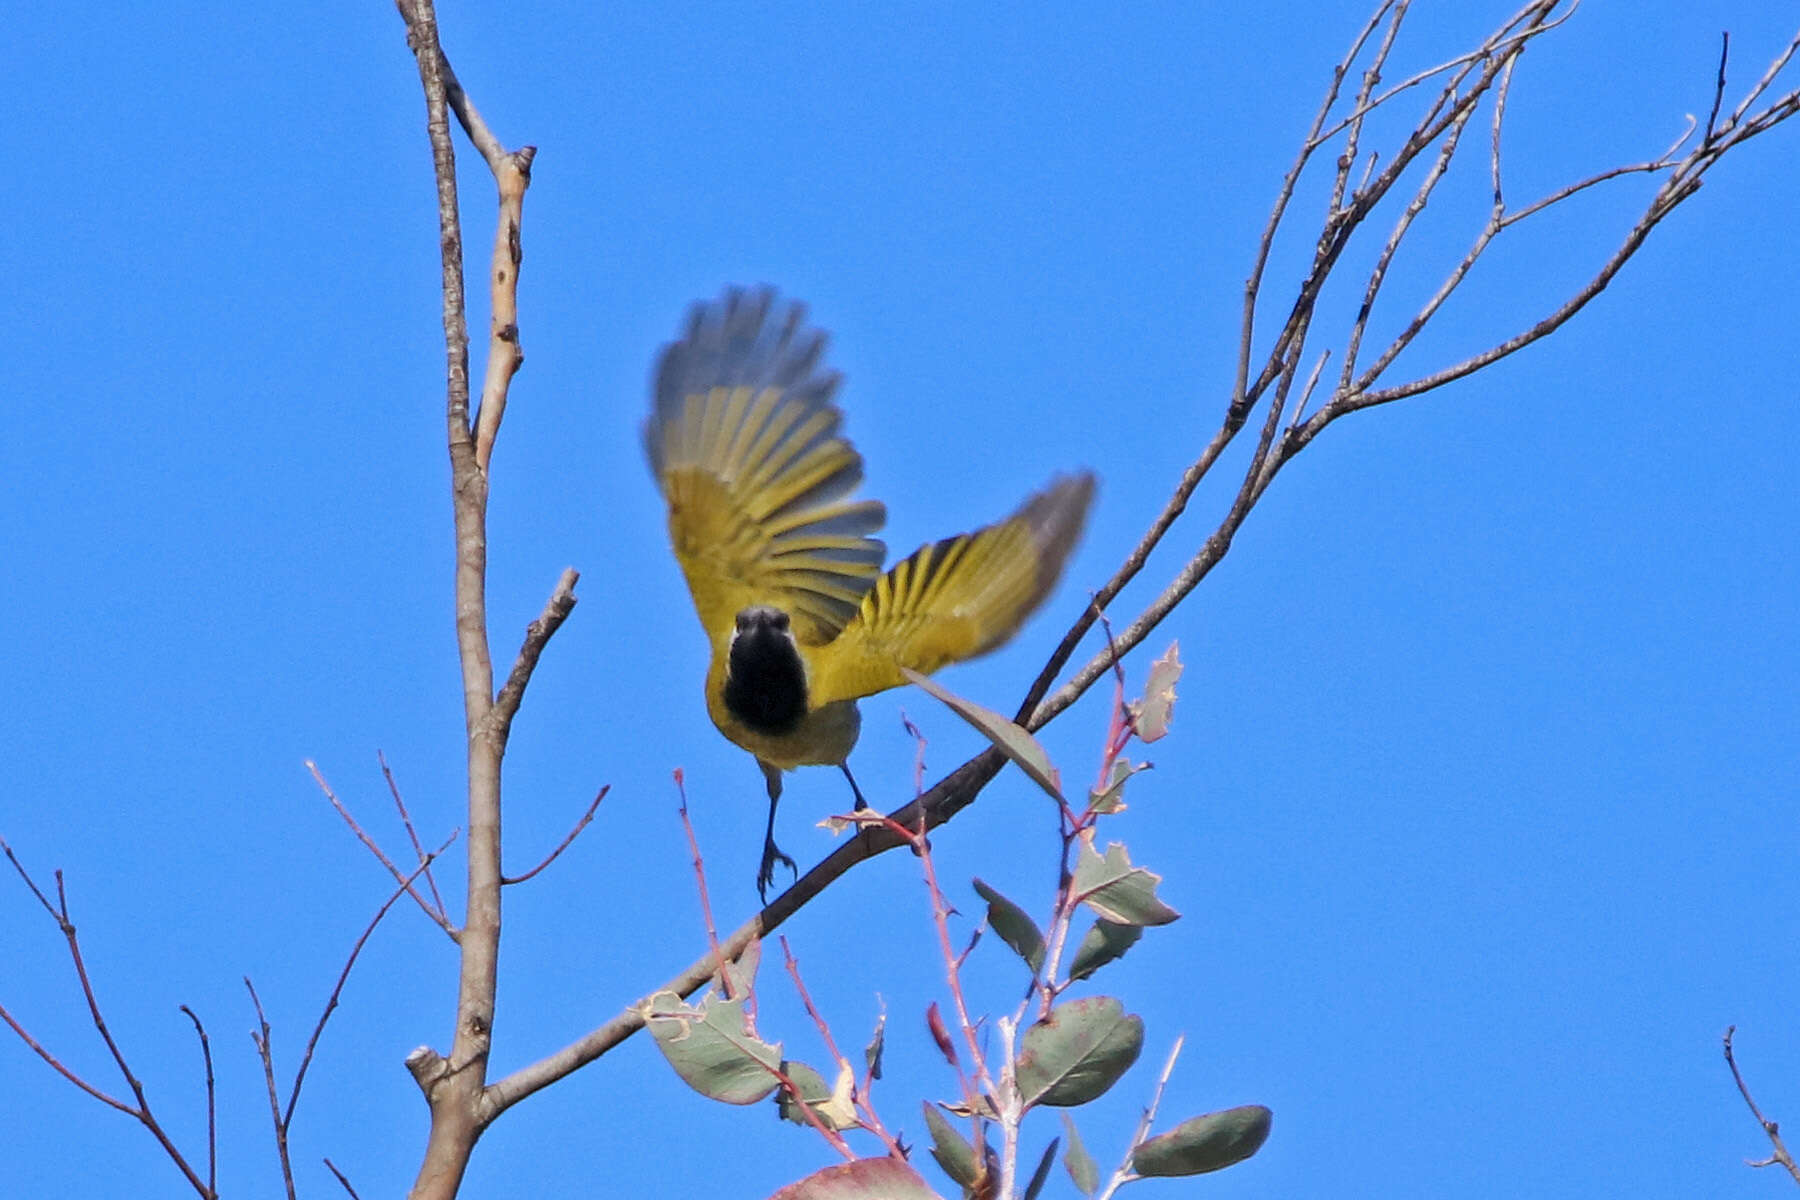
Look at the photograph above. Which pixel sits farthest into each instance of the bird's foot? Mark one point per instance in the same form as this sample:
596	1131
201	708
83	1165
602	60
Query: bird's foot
765	874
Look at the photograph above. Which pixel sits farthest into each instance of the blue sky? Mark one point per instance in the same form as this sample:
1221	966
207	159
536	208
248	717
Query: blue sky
1480	797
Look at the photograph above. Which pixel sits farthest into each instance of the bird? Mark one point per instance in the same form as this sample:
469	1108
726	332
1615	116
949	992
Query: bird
745	441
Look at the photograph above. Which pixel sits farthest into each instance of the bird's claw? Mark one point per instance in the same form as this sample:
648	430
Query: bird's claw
765	874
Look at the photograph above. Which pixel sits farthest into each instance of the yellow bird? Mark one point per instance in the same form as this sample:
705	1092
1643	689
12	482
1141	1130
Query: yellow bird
744	440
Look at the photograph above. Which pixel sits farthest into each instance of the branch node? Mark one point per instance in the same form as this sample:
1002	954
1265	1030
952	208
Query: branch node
427	1067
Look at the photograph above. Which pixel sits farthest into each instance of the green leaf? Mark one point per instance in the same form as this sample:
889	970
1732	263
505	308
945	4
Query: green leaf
1112	798
1078	1051
1042	1173
710	1048
1015	928
1106	941
953	1152
1083	1171
864	1179
1203	1144
1150	716
1118	891
1010	739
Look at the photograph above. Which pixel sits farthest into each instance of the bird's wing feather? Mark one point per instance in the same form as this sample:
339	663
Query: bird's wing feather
743	439
956	598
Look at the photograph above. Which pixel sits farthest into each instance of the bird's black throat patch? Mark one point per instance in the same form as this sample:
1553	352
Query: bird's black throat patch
765	681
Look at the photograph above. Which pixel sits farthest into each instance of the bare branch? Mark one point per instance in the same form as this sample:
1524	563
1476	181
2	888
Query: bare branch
57	1065
1776	66
1312	381
1770	1129
1501	40
59	913
1479	73
1378	274
260	1037
1124	1174
59	918
212	1118
436	914
453	1122
1353	124
1278	211
480	136
513	175
1712	117
412	832
1457	98
706	914
537	636
454	1087
867	1115
332	1167
564	844
337	990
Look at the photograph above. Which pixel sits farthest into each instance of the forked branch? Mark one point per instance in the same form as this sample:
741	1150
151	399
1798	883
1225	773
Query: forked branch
1770	1129
139	1110
454	1085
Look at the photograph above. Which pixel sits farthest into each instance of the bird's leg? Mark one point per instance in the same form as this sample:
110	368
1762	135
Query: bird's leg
854	790
771	854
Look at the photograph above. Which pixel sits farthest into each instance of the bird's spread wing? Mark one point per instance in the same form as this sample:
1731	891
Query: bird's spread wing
743	439
956	598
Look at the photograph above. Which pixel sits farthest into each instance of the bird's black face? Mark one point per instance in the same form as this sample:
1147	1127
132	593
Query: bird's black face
765	681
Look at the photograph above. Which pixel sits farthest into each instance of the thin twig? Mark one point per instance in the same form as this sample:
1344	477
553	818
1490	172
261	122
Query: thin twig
498	723
412	834
1124	1174
332	1167
59	913
30	883
57	1065
940	920
869	1119
1712	117
438	916
1312	381
337	989
1770	1129
1421	196
212	1120
706	913
1360	109
261	1038
508	880
918	738
1498	42
142	1113
1776	67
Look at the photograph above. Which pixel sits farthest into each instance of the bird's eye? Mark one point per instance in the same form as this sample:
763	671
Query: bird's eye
781	620
743	622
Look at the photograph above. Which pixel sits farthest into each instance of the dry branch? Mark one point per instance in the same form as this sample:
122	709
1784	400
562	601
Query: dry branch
454	1086
568	840
435	911
140	1111
1770	1129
